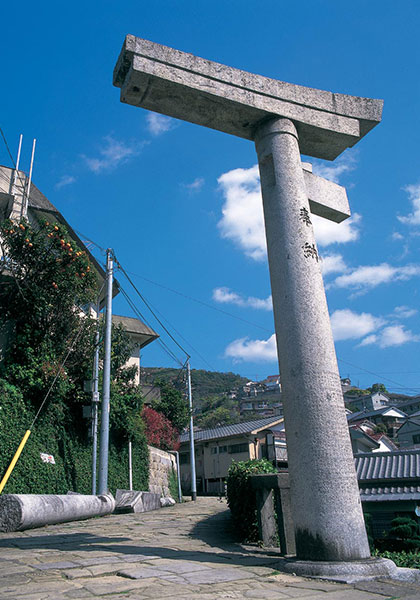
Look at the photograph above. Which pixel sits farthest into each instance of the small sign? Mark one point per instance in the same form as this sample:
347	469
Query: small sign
47	458
417	511
95	397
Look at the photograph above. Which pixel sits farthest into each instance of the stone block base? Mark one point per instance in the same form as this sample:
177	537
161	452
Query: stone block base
136	502
347	572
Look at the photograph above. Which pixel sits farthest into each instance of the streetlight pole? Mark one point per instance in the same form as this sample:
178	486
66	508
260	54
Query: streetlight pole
192	452
95	402
104	438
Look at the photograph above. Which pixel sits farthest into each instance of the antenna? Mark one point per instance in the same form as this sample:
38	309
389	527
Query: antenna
28	191
15	172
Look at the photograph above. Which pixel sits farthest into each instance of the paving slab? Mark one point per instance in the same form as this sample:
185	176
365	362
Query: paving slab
186	552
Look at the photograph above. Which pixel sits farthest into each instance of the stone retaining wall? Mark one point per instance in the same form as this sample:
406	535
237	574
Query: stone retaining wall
161	465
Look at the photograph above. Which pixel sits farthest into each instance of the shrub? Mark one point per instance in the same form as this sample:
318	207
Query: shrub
159	430
241	496
73	457
410	560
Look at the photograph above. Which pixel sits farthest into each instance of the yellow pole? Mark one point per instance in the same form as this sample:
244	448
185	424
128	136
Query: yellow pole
14	460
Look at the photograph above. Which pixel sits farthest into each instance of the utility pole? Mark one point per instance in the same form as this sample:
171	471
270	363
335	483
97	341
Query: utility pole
104	439
95	402
192	452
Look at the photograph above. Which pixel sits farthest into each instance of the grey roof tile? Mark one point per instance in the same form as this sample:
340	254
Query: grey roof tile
229	430
397	465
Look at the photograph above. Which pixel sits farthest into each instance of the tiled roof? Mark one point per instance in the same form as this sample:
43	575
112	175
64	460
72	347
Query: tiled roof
381	466
379	494
365	414
229	430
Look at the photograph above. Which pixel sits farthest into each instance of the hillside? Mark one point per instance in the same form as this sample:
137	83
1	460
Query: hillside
204	383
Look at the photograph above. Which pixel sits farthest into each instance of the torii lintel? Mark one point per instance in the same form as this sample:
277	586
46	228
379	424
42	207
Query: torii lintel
207	93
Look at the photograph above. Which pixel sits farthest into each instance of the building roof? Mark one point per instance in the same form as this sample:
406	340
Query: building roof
230	430
366	414
139	331
409	402
379	494
388	476
388	466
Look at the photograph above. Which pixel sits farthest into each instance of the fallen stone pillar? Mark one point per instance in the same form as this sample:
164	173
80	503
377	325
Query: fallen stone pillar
28	511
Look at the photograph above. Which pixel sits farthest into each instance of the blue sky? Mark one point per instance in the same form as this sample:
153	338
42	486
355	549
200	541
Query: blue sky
180	204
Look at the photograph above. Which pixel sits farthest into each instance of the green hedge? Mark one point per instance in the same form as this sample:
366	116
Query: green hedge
410	560
73	456
241	496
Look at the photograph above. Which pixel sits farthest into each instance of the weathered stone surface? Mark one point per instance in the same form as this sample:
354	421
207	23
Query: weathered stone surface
26	511
161	465
191	88
325	498
326	198
136	502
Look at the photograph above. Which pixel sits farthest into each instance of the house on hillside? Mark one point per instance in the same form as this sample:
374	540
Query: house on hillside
410	406
272	383
364	439
37	208
409	432
368	402
391	417
216	449
389	484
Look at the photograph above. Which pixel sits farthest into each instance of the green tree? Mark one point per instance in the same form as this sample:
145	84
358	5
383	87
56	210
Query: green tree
172	405
44	279
215	418
378	387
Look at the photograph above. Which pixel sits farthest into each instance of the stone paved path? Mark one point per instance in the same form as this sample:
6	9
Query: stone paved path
181	552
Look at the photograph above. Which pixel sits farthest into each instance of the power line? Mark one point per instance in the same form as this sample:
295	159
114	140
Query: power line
215	308
376	375
58	373
163	345
150	308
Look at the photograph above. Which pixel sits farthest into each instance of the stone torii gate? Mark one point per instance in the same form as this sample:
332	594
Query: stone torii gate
284	120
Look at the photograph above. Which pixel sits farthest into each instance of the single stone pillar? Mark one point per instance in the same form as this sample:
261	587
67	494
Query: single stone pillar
326	505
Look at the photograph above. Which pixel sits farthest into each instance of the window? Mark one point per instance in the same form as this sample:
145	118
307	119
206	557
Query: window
237	448
213	450
184	458
222	449
416	439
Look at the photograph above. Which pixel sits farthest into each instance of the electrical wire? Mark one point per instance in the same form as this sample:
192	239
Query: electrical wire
57	374
376	375
149	307
163	345
400	386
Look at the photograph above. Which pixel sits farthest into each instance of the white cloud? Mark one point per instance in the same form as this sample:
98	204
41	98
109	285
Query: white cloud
245	349
396	236
195	185
404	312
158	124
112	154
394	335
366	277
243	222
225	296
333	171
332	263
328	232
64	180
414	197
348	325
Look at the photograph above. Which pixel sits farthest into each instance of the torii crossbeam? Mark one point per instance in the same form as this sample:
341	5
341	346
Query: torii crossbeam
284	120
